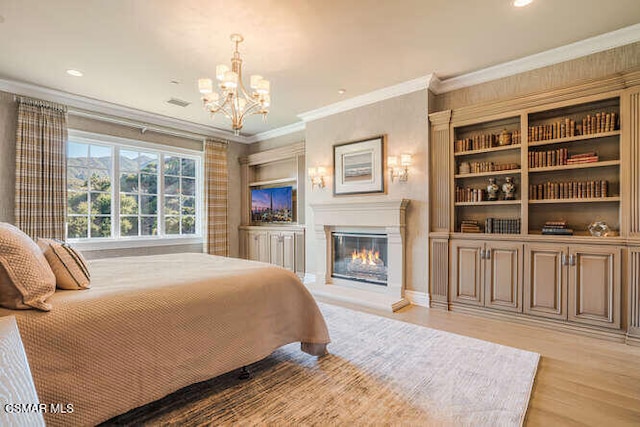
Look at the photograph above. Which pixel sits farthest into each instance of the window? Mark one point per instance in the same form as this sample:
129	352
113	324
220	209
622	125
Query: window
118	191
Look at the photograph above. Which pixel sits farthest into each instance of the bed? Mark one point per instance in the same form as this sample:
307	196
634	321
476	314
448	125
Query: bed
151	325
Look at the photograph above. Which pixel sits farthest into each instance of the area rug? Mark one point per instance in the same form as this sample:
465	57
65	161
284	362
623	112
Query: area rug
379	371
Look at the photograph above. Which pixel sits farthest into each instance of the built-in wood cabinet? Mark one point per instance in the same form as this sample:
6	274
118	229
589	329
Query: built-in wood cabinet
574	156
503	275
545	285
257	246
275	245
487	274
466	273
594	285
280	244
579	283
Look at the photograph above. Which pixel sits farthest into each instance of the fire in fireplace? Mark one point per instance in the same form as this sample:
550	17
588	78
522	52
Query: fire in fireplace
361	257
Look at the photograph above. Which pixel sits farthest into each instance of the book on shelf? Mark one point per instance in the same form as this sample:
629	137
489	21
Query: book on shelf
557	231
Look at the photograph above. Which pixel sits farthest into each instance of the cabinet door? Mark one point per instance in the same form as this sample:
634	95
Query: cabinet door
288	250
466	274
276	255
299	255
545	283
503	276
594	285
258	246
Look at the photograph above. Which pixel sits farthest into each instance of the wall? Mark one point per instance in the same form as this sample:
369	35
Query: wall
8	124
8	119
403	120
234	204
277	142
589	67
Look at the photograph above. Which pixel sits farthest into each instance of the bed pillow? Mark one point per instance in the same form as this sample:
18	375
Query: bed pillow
68	265
26	280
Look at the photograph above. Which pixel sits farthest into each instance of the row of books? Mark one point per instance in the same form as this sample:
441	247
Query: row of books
567	127
599	123
470	194
502	225
569	190
479	167
559	157
482	141
492	226
560	129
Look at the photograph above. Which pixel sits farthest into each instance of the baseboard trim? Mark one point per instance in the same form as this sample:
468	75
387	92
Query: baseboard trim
523	319
417	298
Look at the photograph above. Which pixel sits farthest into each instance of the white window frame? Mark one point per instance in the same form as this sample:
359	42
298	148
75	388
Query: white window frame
122	242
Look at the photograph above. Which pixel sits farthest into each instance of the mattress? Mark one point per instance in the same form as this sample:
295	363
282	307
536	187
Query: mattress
154	324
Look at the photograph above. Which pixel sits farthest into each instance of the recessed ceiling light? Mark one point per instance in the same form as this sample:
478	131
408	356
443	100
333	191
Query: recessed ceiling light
521	3
341	91
74	73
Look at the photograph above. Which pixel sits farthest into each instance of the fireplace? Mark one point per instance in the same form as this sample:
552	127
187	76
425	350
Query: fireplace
361	257
358	252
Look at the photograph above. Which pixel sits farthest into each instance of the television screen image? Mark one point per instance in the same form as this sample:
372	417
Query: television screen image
272	204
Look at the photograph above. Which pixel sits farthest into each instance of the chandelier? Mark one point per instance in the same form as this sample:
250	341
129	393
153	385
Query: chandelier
232	99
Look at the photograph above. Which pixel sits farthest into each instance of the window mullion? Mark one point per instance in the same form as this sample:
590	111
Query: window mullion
161	230
115	188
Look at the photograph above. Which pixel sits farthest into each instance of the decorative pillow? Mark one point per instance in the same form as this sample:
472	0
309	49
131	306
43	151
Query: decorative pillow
68	265
26	280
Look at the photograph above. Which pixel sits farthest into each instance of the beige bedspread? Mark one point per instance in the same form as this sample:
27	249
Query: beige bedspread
151	325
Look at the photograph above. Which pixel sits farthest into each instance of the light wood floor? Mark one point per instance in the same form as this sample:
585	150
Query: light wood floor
580	380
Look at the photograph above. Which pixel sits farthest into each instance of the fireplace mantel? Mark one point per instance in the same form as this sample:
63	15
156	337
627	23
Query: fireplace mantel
384	216
383	213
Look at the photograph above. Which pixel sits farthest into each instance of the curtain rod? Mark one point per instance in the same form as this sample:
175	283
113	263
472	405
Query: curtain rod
142	126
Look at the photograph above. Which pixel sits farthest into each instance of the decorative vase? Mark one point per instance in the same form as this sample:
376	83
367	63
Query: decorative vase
492	190
509	189
599	229
504	138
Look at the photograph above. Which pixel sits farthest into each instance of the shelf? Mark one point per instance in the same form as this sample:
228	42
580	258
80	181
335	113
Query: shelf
576	166
271	182
488	150
582	200
472	175
489	203
574	138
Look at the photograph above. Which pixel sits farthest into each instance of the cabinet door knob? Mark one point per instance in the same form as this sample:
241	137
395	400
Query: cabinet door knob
487	254
572	260
481	253
563	259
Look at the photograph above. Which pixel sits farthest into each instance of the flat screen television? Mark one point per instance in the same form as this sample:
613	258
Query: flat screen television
269	205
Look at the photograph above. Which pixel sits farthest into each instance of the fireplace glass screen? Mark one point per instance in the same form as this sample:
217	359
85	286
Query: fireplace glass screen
361	257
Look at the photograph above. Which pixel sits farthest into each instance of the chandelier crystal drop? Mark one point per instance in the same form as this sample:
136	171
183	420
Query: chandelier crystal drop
231	98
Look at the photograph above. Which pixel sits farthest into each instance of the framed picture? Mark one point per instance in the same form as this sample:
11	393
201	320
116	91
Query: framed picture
358	167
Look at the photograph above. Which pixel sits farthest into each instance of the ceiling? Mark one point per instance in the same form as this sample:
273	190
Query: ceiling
131	50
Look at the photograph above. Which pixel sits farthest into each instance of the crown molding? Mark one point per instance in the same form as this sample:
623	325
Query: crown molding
600	43
273	133
410	86
103	107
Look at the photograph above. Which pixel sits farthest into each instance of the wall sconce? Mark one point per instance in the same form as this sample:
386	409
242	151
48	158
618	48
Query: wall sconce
400	173
316	175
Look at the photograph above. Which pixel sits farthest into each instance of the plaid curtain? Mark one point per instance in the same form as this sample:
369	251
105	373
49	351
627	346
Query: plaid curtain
41	179
217	181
